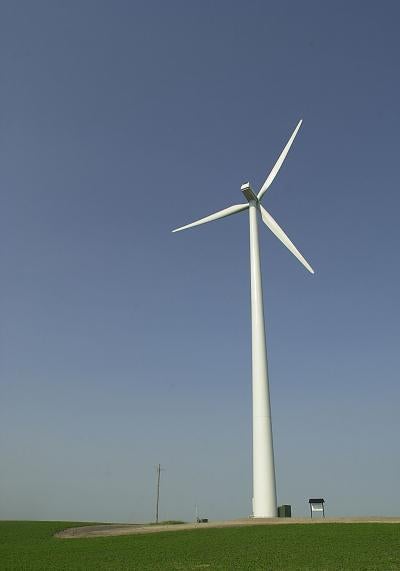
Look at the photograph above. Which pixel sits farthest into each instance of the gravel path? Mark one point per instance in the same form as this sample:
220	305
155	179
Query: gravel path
114	529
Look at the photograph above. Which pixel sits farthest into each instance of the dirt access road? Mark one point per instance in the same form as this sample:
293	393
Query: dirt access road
114	529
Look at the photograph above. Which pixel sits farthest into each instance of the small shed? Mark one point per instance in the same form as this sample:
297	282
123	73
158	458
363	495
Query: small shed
317	505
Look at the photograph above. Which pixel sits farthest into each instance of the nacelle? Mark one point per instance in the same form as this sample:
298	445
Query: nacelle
249	194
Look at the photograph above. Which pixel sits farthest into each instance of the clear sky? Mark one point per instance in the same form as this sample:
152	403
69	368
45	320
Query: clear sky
123	345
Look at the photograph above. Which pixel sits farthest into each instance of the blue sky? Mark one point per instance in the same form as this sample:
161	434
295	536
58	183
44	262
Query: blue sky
123	345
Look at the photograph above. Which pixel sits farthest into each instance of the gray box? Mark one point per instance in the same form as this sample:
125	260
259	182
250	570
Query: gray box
285	511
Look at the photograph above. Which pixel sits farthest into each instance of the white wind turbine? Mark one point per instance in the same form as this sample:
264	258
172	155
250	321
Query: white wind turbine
264	486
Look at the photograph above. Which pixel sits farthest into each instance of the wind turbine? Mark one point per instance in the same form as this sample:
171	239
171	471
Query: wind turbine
264	485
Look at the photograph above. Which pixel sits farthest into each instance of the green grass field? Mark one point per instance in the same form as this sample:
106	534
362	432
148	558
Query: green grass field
31	545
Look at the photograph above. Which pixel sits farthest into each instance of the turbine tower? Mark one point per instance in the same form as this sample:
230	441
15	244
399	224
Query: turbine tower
264	485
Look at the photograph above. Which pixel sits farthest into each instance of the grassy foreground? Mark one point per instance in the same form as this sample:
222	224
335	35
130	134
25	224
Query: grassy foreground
367	546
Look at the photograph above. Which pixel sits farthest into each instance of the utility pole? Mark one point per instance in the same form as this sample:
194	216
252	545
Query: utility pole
158	489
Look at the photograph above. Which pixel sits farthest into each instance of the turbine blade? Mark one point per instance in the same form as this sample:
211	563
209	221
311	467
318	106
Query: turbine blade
278	163
279	233
220	214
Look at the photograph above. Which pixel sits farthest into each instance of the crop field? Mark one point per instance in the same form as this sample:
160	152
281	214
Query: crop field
365	546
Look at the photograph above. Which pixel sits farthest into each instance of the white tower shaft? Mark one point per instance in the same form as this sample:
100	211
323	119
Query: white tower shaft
264	487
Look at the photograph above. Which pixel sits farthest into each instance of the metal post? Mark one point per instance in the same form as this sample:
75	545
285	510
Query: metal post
158	489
